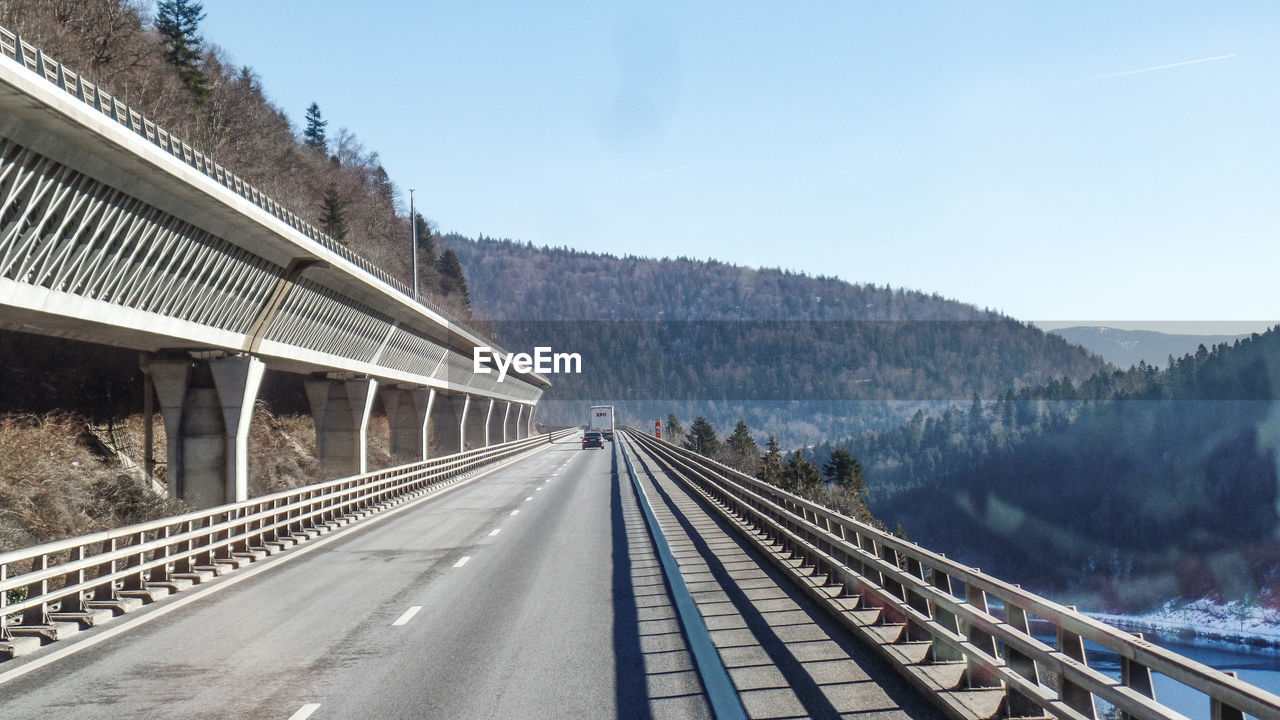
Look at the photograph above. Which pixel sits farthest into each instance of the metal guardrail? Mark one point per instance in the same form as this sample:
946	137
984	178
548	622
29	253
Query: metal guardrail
72	574
921	611
34	59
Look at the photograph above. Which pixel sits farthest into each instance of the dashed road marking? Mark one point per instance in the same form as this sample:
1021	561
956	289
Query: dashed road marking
462	561
495	532
515	512
305	711
528	498
406	616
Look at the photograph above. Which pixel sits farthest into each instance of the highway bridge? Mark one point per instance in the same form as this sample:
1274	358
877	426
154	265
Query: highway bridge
514	575
537	579
114	231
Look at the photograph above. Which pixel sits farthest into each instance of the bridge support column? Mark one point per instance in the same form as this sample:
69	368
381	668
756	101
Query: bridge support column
508	423
493	426
533	410
207	404
522	429
340	407
476	425
408	410
448	422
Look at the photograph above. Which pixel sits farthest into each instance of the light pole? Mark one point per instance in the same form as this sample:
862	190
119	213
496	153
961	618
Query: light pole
413	234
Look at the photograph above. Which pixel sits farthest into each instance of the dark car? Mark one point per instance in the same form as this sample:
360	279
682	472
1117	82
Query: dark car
592	439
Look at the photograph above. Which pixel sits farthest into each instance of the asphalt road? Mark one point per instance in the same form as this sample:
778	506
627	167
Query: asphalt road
532	592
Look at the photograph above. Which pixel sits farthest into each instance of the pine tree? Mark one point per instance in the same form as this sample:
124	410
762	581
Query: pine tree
426	242
333	214
178	22
701	437
800	476
743	448
313	136
771	470
845	471
453	281
674	428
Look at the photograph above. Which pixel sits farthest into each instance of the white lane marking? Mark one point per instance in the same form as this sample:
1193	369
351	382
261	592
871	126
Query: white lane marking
220	584
462	561
515	512
305	711
495	532
528	498
406	616
537	489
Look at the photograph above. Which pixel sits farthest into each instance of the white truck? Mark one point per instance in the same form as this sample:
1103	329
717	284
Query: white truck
601	420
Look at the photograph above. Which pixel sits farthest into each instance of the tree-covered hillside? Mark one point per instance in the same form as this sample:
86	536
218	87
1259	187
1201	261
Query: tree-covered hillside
803	357
1133	487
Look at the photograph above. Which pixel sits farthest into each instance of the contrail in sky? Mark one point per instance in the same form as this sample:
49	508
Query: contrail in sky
1158	67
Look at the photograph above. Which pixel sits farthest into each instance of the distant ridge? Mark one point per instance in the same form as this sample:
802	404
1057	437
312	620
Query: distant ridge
1129	347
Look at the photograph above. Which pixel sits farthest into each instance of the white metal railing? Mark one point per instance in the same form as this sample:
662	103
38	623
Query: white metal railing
68	575
963	615
34	59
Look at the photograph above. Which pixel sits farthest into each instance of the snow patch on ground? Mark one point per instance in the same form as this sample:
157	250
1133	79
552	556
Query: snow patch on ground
1204	621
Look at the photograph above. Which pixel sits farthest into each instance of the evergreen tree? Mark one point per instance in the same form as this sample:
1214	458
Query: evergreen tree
674	428
313	136
701	437
333	214
452	279
741	441
771	470
426	242
800	476
178	22
845	471
743	449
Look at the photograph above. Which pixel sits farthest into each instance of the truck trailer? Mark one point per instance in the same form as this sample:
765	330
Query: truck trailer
601	420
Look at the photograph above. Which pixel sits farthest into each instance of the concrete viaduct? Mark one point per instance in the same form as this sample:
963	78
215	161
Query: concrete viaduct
114	231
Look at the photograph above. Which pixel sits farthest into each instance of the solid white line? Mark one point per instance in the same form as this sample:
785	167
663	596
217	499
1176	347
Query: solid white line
305	711
515	512
220	584
495	532
463	561
406	616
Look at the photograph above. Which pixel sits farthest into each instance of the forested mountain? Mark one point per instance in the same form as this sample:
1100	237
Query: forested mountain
803	357
1130	347
162	67
1130	488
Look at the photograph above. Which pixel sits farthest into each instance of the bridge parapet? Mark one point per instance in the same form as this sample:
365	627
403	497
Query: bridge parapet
967	640
58	586
114	231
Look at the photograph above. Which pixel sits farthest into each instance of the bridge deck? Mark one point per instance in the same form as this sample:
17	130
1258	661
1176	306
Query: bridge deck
562	612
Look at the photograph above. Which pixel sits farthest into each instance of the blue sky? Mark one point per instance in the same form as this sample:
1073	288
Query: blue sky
1004	154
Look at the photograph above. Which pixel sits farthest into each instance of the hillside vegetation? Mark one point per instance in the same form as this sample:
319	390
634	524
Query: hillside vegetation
804	357
1129	489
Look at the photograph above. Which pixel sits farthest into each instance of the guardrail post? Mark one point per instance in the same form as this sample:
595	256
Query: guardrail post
134	581
75	601
943	652
38	614
160	573
1137	676
1080	699
1219	710
1019	705
105	591
978	675
4	600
